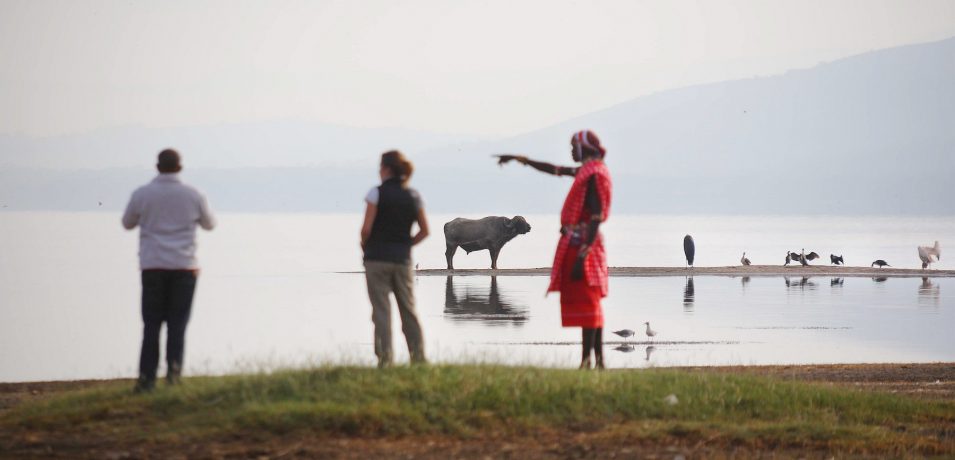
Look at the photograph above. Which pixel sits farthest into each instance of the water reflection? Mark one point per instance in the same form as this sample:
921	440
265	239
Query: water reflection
880	279
650	349
929	293
688	294
836	282
803	283
625	348
469	302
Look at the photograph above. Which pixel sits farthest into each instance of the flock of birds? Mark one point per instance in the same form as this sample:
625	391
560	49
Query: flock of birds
927	254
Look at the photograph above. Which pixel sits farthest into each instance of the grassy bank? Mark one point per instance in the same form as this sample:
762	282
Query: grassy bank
468	402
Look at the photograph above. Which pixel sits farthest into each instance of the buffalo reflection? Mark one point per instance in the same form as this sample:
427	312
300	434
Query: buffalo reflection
468	302
689	292
929	292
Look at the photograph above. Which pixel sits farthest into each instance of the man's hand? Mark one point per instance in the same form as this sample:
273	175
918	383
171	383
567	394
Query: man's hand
502	159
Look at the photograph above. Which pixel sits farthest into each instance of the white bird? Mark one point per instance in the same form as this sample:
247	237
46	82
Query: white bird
625	333
927	254
743	260
650	332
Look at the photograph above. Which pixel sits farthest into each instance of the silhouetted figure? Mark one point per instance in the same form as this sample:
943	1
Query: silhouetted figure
743	260
880	263
836	260
689	249
789	258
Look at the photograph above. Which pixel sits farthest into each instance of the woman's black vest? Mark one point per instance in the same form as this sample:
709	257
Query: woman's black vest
390	239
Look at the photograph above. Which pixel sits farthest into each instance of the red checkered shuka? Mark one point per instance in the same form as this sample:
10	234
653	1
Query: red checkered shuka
595	266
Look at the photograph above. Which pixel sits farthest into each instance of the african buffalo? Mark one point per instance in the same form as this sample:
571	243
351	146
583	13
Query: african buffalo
489	233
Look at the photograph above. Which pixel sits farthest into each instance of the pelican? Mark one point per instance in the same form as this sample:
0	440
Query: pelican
650	332
929	255
836	260
743	260
689	249
881	263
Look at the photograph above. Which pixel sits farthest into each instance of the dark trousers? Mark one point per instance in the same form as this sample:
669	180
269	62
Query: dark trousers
167	298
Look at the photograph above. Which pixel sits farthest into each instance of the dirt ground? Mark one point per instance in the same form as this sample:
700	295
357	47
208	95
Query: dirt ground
934	381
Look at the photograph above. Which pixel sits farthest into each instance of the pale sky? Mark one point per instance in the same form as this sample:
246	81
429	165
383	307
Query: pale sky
490	68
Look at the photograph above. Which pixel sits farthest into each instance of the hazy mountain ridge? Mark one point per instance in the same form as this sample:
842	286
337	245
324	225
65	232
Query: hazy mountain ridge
873	133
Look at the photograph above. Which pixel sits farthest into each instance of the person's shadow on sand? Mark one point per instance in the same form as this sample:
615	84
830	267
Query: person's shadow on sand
468	302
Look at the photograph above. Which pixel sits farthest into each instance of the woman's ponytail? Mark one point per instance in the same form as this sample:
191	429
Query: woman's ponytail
399	166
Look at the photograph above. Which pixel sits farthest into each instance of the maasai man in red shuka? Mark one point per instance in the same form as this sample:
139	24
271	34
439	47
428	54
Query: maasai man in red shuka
579	272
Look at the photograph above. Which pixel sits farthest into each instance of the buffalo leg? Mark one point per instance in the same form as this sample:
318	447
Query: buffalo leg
449	254
494	253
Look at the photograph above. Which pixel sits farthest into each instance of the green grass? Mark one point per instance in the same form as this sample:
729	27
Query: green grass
468	401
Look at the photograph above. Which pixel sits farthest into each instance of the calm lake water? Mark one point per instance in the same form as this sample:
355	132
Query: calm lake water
272	294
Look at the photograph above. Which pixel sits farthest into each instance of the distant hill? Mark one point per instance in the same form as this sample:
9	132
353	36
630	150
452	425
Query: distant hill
873	133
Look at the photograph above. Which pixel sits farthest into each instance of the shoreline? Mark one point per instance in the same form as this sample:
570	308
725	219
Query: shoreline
728	271
828	372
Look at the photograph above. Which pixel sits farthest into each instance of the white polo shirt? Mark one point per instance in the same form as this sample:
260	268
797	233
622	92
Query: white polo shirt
167	212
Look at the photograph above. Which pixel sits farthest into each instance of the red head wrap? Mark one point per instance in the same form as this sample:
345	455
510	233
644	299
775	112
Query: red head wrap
588	140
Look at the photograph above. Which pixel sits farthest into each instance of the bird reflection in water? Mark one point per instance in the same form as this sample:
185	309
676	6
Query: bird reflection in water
929	292
744	281
880	279
469	302
650	349
836	282
625	348
688	294
803	283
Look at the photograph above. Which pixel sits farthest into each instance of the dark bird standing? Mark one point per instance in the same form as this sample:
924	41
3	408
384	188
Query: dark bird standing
836	260
789	258
689	249
881	263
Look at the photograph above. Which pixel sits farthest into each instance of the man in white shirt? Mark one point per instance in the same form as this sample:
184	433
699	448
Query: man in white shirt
167	212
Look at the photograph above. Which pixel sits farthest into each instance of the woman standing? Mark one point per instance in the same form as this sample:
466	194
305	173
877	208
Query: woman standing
391	209
580	265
